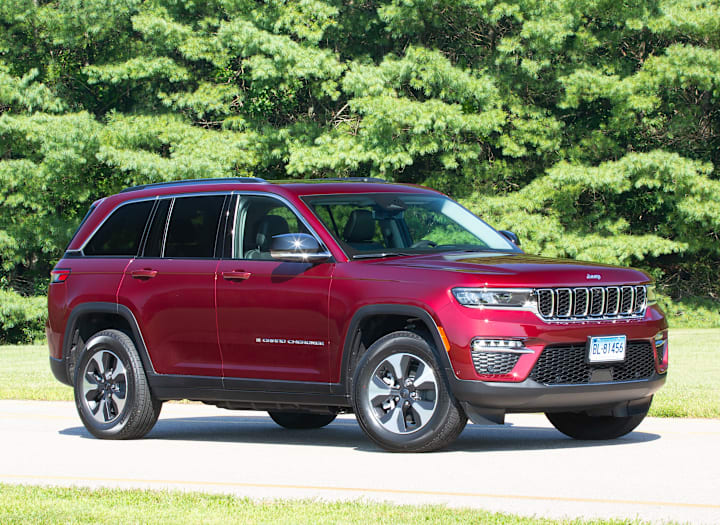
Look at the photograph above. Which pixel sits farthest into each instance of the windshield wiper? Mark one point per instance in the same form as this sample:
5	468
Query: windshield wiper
380	255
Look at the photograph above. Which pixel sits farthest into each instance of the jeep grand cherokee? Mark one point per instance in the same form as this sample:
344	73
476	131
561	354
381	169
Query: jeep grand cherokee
312	298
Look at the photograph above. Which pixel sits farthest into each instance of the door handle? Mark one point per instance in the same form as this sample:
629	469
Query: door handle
144	274
236	275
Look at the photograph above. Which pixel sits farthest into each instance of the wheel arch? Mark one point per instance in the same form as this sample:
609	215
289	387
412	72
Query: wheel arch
370	323
89	318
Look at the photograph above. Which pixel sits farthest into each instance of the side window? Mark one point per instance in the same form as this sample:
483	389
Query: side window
121	233
357	226
154	242
257	220
193	226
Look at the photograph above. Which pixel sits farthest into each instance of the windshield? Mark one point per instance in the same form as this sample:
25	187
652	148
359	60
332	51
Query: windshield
381	224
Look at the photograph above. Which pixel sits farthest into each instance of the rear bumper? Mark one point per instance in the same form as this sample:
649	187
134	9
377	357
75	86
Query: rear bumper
530	396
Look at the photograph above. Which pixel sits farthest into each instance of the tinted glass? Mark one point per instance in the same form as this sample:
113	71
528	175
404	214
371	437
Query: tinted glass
193	227
121	233
153	244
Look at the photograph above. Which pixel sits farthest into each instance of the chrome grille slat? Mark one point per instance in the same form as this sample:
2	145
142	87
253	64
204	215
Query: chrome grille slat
596	303
639	304
581	302
613	300
627	300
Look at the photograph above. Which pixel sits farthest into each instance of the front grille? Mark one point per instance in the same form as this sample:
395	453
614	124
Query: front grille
494	363
598	302
566	365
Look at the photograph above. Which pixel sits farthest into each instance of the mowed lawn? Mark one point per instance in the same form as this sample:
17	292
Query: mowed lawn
692	388
22	504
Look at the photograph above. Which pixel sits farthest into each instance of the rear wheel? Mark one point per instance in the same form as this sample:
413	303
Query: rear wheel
400	397
583	426
112	394
301	420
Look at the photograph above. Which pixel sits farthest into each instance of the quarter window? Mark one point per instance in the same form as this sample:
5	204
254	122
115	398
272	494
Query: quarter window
120	234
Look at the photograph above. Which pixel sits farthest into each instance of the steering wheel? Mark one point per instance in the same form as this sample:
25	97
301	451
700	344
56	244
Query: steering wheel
424	243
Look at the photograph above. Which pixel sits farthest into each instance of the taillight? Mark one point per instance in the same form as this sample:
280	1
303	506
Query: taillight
59	276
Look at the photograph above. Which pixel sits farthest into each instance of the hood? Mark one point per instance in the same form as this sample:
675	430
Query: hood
521	269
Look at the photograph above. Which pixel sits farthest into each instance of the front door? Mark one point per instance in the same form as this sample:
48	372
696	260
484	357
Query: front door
272	315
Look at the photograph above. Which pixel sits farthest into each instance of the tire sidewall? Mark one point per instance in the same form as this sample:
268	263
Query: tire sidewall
376	354
97	344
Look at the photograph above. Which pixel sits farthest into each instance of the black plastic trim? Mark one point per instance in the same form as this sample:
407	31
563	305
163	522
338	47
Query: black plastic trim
530	396
388	309
59	370
168	387
107	308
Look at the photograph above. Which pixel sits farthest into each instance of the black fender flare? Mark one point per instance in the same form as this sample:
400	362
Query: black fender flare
112	309
406	310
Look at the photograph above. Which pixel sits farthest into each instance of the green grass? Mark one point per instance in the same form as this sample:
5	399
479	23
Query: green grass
25	374
692	388
693	385
29	504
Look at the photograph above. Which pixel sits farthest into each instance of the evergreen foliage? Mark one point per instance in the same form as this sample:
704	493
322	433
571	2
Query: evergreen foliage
589	127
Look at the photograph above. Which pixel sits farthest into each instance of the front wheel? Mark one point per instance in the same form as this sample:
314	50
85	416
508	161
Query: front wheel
112	394
583	426
400	397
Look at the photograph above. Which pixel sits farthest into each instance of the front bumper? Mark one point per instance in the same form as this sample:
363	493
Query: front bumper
530	396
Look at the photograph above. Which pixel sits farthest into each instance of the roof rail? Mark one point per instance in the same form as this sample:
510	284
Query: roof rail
192	181
351	179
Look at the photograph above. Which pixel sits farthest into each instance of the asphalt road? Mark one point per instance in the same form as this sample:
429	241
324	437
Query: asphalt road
668	469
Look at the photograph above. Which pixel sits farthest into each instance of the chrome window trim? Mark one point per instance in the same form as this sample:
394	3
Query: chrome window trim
172	196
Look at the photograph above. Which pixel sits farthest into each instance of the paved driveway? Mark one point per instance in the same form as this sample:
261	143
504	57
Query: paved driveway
668	469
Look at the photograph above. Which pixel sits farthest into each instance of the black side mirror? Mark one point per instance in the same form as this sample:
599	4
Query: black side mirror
511	237
297	247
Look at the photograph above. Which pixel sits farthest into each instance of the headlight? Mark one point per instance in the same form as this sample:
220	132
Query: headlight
651	294
495	297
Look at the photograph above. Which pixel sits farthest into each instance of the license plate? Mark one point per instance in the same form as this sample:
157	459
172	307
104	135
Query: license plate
607	349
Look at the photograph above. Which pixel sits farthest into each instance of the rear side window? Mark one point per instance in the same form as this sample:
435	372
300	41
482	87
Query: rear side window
120	234
193	227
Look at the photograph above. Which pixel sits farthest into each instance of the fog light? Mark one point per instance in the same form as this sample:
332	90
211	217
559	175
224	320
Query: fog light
510	346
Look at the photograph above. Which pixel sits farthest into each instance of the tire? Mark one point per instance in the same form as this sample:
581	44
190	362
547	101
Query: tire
400	396
583	426
112	395
302	420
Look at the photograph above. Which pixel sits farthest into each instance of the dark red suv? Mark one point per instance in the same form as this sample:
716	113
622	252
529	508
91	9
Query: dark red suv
312	298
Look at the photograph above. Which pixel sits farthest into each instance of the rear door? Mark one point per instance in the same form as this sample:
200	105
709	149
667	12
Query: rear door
170	287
